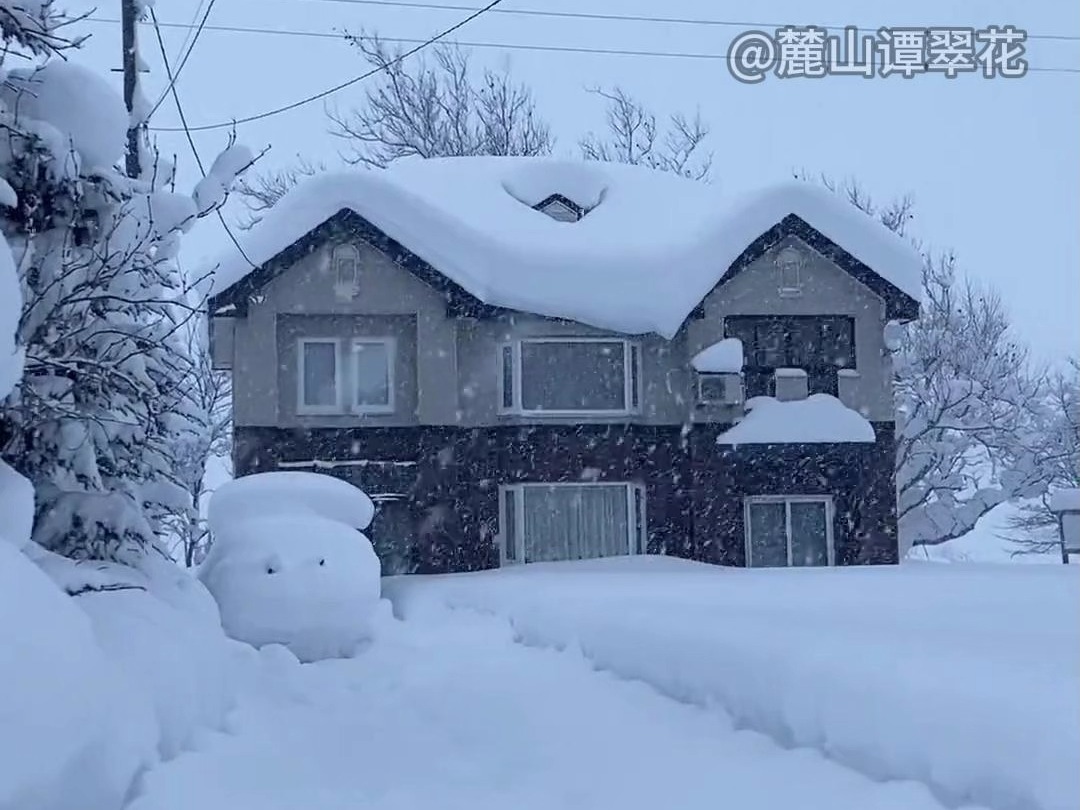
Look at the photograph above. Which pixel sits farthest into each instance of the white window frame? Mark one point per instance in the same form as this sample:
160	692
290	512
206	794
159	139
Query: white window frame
632	367
302	407
787	500
391	361
637	540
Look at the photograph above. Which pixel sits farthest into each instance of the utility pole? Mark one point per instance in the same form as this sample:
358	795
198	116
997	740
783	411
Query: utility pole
129	12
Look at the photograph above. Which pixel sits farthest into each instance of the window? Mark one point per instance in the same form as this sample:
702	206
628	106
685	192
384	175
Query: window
570	376
318	375
820	345
373	375
551	522
346	268
790	263
333	380
788	531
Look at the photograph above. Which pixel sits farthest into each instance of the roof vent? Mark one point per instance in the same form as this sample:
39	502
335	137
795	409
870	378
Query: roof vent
561	208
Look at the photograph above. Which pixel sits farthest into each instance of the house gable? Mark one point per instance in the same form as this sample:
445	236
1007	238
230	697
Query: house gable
348	226
898	305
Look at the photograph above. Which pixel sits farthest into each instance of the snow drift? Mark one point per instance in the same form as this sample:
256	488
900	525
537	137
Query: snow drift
951	676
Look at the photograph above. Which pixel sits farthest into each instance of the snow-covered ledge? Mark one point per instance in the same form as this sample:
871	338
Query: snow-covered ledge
791	384
818	419
723	357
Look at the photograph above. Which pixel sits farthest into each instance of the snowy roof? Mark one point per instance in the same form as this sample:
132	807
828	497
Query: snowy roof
1065	500
651	246
724	357
819	418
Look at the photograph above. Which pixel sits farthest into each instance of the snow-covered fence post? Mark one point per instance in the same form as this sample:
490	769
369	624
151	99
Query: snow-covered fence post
1065	504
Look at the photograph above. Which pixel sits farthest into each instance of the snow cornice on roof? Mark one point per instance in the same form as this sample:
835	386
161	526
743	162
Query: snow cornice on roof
652	246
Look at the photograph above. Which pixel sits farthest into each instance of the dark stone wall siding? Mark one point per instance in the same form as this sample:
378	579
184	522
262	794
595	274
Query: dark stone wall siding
694	487
860	477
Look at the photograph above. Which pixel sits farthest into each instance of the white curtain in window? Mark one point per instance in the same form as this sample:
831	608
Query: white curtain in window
575	522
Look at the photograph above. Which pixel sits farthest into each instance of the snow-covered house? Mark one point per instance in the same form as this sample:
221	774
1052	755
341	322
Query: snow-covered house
525	359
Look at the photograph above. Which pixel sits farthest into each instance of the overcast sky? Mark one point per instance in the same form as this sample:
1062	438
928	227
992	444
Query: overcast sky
993	164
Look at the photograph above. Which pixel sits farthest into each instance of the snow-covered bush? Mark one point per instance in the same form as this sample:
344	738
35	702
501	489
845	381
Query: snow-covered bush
289	564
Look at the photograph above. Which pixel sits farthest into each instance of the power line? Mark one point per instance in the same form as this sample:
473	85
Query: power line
331	90
183	119
590	15
187	54
510	46
187	36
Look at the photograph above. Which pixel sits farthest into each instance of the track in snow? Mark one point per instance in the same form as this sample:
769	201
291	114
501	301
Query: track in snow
450	713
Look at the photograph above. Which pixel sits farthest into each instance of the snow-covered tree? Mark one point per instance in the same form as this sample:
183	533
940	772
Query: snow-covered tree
210	396
969	403
102	405
1034	528
436	105
633	136
968	411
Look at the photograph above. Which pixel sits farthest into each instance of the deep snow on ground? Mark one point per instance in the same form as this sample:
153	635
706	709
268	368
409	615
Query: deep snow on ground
959	677
651	682
449	712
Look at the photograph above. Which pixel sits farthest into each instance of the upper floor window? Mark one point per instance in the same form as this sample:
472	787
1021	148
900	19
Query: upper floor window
373	378
327	370
553	376
820	345
319	375
345	263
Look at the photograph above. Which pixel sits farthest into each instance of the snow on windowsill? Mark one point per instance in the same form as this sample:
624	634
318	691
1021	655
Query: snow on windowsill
818	419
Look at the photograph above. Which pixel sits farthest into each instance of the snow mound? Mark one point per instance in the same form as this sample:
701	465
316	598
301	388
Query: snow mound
725	357
289	492
898	672
652	247
70	737
79	103
819	418
307	582
16	507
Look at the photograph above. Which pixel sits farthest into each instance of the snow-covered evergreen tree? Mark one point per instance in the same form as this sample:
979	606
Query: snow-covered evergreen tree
103	403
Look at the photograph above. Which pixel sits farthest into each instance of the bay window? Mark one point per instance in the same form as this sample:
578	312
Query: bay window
570	376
